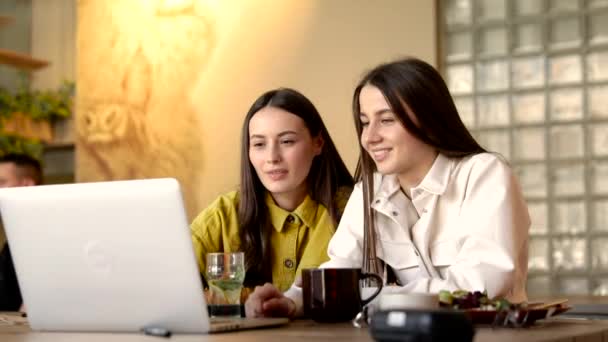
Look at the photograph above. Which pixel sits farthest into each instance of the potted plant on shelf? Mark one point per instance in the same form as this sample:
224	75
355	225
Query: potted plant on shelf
27	116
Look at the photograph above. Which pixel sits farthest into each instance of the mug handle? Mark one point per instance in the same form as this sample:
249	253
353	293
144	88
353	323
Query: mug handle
364	302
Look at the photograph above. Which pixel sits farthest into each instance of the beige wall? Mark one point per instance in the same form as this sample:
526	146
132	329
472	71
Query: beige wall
199	87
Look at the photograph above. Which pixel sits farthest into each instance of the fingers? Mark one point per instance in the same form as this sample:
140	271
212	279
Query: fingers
268	291
277	307
254	304
253	307
268	301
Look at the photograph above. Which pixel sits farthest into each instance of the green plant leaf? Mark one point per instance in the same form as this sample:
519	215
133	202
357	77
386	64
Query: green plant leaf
10	144
39	105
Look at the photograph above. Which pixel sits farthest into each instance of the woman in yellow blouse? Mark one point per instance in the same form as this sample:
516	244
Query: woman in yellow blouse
293	189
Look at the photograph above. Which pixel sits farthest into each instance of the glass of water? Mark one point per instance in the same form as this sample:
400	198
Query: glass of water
225	275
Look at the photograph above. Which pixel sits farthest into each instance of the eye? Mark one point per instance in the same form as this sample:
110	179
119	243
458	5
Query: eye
287	142
364	123
257	144
387	120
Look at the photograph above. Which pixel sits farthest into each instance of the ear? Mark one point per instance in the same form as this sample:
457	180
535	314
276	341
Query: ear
317	143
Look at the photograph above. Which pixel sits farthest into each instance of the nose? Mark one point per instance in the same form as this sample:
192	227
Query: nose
369	135
274	154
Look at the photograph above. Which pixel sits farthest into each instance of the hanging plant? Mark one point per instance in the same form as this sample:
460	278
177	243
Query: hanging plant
26	116
10	144
46	105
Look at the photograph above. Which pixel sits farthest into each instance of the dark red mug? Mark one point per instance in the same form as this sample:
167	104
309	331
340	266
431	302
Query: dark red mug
334	294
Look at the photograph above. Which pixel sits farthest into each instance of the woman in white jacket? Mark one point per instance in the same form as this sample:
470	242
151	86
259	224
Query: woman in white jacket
443	213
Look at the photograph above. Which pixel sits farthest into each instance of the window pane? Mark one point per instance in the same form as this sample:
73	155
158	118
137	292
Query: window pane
492	75
597	3
600	209
598	28
598	101
567	141
457	12
491	9
599	253
568	180
493	110
564	32
460	79
459	45
570	217
492	41
496	142
529	108
527	37
539	286
566	104
597	66
573	286
528	72
528	7
529	144
600	139
533	179
569	253
565	69
563	5
600	177
601	287
538	216
466	110
538	259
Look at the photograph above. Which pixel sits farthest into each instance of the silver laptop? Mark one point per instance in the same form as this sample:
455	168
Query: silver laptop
108	256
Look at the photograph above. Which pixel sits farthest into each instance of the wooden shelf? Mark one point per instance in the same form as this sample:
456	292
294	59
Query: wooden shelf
58	146
6	20
20	60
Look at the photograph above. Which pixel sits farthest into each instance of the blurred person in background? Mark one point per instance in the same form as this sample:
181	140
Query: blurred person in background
15	170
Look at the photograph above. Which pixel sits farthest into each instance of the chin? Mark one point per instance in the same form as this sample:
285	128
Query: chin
385	169
278	188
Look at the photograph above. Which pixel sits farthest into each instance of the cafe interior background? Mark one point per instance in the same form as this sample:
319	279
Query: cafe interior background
162	87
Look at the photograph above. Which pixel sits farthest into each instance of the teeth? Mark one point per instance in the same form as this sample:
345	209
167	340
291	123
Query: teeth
380	155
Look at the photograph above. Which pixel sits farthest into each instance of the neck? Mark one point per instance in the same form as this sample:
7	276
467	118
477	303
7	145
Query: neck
411	178
290	200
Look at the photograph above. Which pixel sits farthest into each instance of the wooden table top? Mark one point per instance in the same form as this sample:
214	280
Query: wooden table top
561	330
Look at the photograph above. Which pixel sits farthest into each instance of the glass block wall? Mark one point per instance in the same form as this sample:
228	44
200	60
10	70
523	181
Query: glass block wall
530	80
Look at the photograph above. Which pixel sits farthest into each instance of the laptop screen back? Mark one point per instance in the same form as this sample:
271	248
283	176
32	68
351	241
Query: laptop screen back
107	256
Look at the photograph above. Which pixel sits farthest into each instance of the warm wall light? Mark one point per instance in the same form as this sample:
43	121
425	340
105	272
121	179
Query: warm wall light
174	6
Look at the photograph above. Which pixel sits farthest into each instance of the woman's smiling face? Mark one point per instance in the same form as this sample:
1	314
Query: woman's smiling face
393	149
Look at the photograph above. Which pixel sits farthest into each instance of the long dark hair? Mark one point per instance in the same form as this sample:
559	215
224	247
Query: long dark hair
418	85
327	174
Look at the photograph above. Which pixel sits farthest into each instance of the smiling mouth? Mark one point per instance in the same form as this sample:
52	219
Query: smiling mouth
277	174
380	154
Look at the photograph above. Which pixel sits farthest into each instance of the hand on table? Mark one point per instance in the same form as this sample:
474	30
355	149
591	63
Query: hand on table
268	301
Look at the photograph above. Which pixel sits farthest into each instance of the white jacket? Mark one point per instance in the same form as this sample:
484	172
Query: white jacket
466	227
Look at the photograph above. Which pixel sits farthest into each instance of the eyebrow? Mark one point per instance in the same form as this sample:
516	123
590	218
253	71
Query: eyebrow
379	112
259	136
